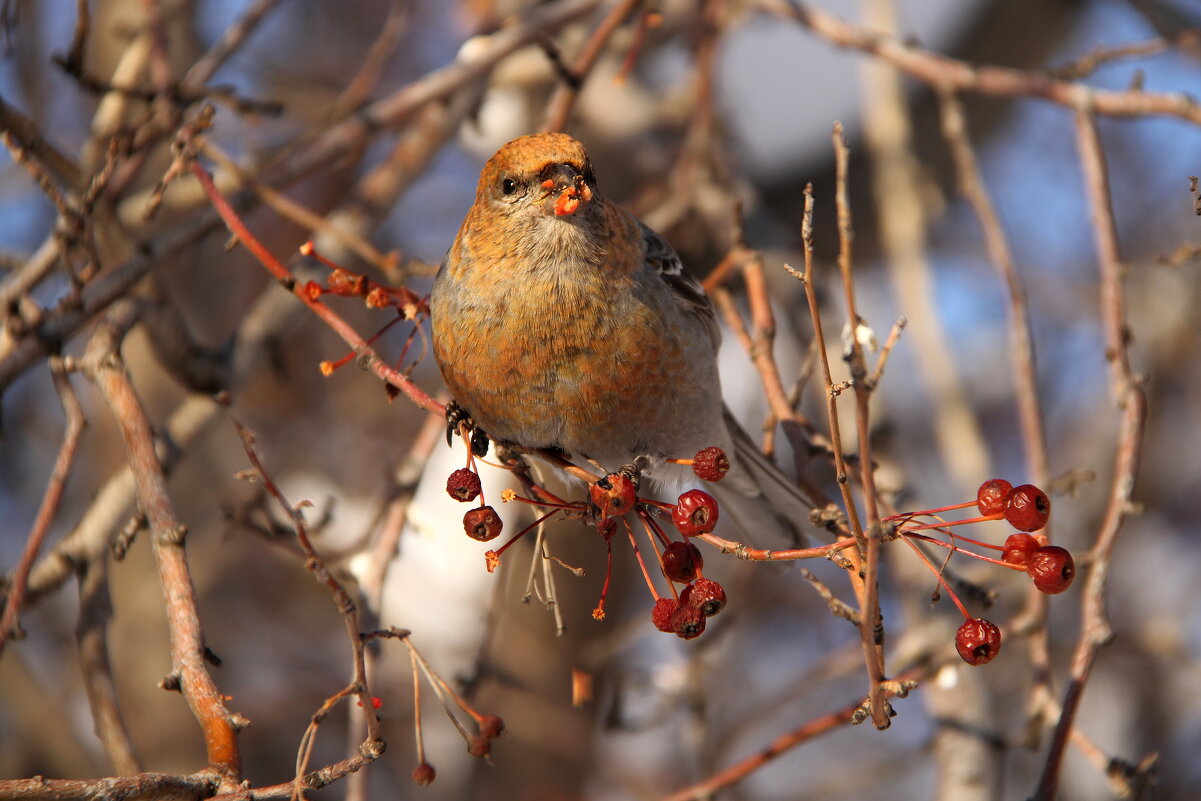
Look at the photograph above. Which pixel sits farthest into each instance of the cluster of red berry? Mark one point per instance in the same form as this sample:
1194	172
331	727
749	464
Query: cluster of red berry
611	498
1027	508
684	612
694	513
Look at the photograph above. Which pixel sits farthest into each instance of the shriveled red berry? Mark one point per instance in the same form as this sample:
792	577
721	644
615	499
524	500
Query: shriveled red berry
682	561
345	284
614	495
1019	548
463	485
491	726
706	595
991	497
687	622
479	747
1028	508
424	774
606	527
482	523
710	464
978	641
695	513
1052	569
661	614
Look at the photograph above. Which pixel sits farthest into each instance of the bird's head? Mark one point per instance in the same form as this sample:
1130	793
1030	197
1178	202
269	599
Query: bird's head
543	175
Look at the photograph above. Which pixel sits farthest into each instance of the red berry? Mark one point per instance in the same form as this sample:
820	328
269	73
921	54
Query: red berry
687	622
615	494
991	497
978	641
1028	508
1019	548
710	464
1052	569
681	561
482	523
706	595
695	513
463	485
424	774
661	614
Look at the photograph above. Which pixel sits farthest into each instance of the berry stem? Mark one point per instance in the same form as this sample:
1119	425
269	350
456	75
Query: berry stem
432	678
938	574
925	512
556	505
947	524
599	612
973	554
310	250
417	708
955	536
523	532
649	521
641	563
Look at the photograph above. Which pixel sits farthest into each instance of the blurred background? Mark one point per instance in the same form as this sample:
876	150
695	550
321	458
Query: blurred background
694	113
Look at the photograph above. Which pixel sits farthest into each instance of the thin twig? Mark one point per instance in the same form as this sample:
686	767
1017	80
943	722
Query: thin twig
871	626
50	499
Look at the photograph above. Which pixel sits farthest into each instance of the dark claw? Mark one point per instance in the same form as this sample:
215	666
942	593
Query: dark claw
455	414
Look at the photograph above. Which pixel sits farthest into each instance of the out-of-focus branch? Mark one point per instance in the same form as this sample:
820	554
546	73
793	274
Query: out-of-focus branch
814	728
1022	356
953	75
102	362
1090	61
231	40
50	500
559	107
903	220
360	86
142	787
63	322
475	62
1131	399
91	635
1022	366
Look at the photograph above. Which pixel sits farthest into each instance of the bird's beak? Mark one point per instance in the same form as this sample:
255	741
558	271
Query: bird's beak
570	187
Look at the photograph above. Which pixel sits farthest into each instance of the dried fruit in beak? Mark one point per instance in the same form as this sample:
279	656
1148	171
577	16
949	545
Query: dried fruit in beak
571	197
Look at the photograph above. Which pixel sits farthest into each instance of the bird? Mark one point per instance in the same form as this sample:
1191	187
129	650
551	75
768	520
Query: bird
560	321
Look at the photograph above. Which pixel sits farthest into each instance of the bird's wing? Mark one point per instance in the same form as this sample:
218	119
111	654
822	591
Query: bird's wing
687	291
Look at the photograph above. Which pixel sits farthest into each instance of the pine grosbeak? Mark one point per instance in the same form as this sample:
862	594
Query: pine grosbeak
562	321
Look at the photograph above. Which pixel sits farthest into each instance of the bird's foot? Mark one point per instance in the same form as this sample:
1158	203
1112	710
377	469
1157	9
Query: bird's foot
458	421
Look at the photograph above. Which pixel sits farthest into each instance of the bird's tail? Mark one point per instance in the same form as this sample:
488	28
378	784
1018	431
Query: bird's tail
767	506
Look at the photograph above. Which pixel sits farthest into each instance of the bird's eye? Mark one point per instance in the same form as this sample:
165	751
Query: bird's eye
508	186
